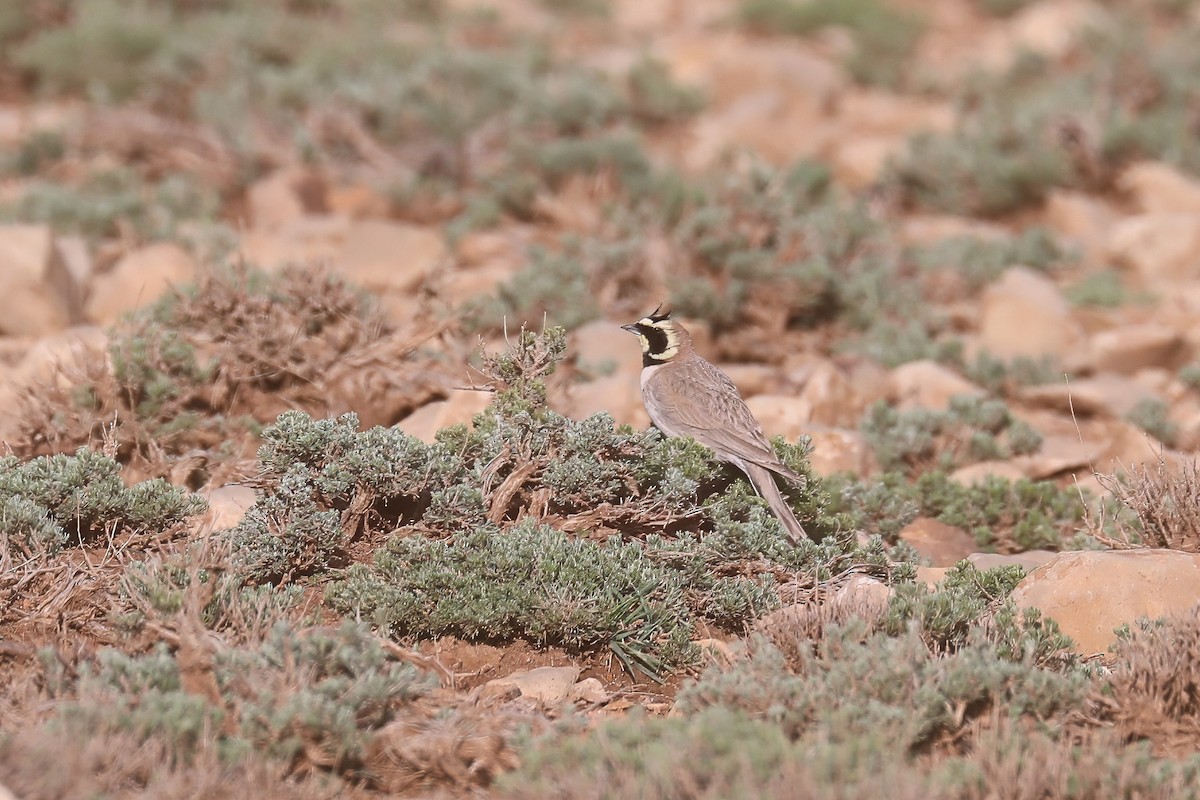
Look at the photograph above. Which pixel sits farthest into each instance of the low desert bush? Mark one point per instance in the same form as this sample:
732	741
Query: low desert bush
971	429
1164	501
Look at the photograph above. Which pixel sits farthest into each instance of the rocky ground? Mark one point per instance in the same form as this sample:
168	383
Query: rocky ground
963	260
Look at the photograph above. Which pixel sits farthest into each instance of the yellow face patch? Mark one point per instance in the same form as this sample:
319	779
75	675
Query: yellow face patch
659	339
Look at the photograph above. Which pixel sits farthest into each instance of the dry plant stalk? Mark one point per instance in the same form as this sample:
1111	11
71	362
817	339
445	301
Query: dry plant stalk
1166	501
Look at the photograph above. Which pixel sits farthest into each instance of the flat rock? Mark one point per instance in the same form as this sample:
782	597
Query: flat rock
750	379
619	395
976	473
458	409
141	277
944	545
1090	593
780	414
1160	246
52	358
549	685
1079	216
1024	314
928	384
386	256
1133	347
602	344
1028	560
1158	188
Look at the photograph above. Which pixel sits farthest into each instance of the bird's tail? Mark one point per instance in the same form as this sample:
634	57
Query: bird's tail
763	482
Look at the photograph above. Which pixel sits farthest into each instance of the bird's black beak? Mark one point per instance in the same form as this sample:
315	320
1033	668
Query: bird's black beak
631	327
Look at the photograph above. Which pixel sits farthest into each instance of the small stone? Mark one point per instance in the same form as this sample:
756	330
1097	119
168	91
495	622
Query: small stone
284	196
549	685
590	691
228	504
839	450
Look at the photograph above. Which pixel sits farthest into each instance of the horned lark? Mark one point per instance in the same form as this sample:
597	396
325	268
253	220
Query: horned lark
688	396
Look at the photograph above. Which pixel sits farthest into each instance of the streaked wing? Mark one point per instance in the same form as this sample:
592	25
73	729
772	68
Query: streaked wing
701	401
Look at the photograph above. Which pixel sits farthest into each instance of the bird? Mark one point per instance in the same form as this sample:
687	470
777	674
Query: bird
686	395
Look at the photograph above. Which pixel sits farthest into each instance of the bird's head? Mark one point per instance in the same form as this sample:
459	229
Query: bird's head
662	339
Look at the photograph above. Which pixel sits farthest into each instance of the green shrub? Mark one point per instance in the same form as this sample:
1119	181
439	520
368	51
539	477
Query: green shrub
1153	416
1020	514
980	261
104	203
52	502
300	693
529	582
970	605
971	429
873	689
1069	124
884	36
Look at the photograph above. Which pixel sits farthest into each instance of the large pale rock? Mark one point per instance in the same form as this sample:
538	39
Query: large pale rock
1158	188
389	256
141	277
459	408
1158	247
1024	314
1134	347
944	545
860	596
1090	593
928	384
1081	218
36	290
